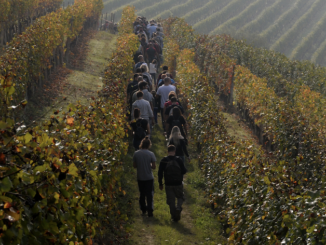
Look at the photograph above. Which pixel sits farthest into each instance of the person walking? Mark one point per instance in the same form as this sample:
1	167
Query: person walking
141	62
153	70
179	142
151	29
176	120
156	105
159	39
144	161
168	110
161	81
132	87
144	107
165	70
146	94
147	77
140	128
151	53
173	169
163	93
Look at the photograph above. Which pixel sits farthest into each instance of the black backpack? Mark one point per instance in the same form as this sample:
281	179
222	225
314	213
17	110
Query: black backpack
173	172
140	131
176	123
138	65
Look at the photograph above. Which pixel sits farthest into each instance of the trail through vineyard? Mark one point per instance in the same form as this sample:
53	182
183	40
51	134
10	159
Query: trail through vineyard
79	81
198	224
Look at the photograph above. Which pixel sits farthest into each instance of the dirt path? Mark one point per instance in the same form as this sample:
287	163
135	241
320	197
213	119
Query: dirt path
198	224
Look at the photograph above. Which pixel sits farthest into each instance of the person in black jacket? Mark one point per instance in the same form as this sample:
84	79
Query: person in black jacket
172	169
140	128
176	120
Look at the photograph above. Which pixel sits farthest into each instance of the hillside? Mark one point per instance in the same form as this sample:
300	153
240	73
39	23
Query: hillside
292	27
249	123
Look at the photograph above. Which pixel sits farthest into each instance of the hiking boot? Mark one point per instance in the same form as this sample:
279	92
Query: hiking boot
173	219
178	214
150	214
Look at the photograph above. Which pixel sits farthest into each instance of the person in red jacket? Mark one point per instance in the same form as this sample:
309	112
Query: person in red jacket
151	53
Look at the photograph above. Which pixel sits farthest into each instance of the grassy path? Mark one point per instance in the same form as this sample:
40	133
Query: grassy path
198	224
78	83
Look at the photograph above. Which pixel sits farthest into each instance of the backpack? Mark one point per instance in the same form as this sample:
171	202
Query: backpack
176	123
140	131
170	110
138	65
173	172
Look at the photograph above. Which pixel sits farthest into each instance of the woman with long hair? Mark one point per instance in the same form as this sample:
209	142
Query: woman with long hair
179	142
176	120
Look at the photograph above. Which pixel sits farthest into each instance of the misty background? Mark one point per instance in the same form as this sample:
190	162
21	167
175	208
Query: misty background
296	28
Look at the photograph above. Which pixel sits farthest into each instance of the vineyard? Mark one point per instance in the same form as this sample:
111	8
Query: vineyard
292	27
61	177
269	196
66	179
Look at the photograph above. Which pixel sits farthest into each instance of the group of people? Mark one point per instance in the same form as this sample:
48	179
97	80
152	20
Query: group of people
151	96
150	35
110	26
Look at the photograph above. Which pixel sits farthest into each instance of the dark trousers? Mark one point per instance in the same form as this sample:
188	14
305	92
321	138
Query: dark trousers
146	189
174	193
136	144
162	115
155	114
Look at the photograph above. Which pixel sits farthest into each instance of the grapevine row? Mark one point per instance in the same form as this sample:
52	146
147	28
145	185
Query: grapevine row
247	19
182	9
233	8
16	15
154	10
207	9
282	22
247	15
275	67
265	201
60	181
41	45
269	15
319	56
264	105
114	4
289	39
307	43
138	4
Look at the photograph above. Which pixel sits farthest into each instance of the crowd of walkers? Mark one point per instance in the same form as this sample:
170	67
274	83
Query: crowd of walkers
153	94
